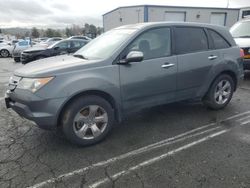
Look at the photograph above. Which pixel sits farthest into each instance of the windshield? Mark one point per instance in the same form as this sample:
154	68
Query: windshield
241	30
104	46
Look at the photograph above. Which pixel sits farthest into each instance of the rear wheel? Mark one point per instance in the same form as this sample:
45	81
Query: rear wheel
220	92
4	53
87	120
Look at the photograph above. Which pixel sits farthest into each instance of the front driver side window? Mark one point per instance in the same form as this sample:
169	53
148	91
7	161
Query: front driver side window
154	43
63	45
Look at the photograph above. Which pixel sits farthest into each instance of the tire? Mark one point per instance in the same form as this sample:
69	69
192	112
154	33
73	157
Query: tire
217	97
82	127
17	59
4	53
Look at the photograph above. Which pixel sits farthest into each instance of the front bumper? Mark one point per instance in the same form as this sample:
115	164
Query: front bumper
25	57
44	112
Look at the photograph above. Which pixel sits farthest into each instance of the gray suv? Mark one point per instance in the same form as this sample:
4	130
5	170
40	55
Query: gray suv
125	70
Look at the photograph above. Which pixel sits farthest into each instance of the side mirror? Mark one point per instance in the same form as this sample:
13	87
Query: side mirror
56	48
133	56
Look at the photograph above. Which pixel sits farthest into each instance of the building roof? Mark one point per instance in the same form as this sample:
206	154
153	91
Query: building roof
166	6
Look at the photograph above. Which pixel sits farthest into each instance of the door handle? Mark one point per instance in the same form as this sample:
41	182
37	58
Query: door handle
167	65
212	57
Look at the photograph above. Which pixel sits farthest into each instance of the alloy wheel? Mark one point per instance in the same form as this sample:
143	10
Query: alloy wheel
222	92
4	53
90	122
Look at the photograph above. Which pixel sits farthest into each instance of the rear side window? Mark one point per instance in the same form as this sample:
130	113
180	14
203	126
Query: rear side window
218	40
189	39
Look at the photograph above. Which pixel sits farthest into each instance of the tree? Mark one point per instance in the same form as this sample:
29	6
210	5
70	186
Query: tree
49	32
68	32
92	30
99	30
52	33
35	33
86	29
27	34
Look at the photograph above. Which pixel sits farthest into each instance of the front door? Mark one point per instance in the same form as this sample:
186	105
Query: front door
153	80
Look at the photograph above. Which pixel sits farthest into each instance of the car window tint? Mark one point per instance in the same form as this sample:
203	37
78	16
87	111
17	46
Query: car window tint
189	39
63	45
153	43
76	44
219	41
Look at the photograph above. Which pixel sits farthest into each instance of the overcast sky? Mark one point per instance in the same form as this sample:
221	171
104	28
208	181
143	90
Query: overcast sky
62	13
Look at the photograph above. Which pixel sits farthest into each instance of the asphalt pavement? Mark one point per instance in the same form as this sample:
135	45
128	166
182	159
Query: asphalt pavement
177	145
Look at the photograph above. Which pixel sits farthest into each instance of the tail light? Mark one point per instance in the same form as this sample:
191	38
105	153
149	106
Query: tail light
242	54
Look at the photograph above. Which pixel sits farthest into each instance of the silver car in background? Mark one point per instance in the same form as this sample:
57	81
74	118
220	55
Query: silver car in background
20	47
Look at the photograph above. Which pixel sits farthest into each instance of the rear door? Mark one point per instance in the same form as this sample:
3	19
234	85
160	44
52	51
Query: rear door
153	80
195	59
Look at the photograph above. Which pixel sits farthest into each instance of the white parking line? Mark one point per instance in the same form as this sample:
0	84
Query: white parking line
245	122
147	148
156	159
243	119
237	115
150	147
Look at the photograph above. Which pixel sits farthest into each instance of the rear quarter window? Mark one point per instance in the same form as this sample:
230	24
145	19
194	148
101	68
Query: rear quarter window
218	40
190	39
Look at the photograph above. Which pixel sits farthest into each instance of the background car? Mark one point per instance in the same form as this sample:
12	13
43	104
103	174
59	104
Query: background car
50	41
20	47
81	37
62	47
241	33
6	50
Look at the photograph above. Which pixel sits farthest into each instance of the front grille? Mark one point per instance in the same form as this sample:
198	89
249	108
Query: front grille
13	82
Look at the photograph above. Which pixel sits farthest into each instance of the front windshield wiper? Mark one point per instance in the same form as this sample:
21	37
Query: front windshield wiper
80	56
244	36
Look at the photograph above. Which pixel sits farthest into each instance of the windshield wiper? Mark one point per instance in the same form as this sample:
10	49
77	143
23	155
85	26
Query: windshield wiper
80	56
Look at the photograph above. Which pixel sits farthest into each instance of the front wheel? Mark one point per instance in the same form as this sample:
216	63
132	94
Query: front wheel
220	92
87	120
4	53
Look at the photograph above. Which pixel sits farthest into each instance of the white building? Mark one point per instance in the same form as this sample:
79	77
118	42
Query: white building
153	13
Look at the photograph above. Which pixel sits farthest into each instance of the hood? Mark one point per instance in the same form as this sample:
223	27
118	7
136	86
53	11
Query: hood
36	49
242	42
53	66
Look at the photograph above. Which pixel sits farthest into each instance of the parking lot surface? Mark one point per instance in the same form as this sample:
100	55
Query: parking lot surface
176	145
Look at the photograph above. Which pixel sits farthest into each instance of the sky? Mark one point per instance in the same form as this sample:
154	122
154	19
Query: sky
63	13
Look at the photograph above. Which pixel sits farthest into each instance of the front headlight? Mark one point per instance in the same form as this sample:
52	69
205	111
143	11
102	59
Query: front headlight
33	84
